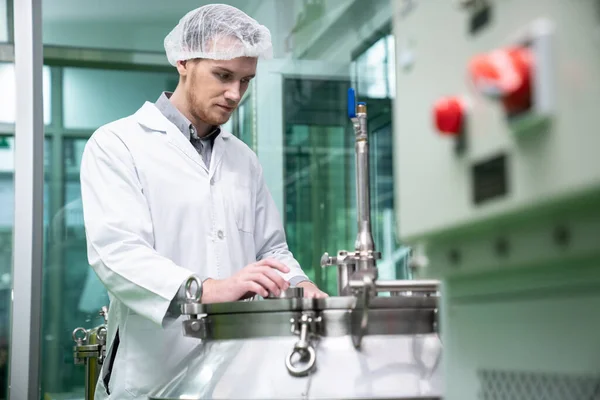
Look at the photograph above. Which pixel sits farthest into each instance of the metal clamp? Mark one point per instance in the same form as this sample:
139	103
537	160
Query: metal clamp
293	292
101	335
367	289
308	357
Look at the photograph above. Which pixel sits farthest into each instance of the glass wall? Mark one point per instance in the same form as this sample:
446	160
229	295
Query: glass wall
7	200
8	89
3	21
86	92
319	174
73	295
244	122
6	227
74	106
375	69
7	205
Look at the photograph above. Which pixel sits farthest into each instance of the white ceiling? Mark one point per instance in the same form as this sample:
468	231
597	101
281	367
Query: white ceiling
129	10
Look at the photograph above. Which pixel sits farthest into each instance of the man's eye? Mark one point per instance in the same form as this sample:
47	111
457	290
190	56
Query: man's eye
223	76
245	81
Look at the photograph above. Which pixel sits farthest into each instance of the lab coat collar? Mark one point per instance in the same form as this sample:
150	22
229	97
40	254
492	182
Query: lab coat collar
150	117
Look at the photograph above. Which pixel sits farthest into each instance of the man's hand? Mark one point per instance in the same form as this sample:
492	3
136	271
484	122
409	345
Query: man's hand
260	278
312	291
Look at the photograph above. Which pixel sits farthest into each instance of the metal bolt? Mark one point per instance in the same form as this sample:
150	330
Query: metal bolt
195	326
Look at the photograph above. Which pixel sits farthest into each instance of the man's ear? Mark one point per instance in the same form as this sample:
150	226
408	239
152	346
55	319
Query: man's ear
182	68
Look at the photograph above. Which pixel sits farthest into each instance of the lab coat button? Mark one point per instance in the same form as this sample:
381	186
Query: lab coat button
220	234
212	181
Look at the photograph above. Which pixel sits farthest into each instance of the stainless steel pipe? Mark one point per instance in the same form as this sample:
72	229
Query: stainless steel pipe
364	238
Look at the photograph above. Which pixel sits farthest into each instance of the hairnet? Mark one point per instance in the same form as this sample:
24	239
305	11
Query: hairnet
217	32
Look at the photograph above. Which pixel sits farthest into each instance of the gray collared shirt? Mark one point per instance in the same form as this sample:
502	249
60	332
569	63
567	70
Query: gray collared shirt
202	145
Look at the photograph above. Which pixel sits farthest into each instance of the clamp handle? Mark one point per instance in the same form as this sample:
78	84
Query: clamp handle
193	294
306	352
80	336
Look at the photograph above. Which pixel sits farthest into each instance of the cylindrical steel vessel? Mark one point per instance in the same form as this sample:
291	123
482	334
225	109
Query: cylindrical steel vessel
298	348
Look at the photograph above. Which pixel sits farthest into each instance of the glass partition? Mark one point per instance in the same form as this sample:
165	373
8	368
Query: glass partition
245	122
7	200
8	90
319	174
7	206
3	21
6	227
375	79
93	97
376	69
73	295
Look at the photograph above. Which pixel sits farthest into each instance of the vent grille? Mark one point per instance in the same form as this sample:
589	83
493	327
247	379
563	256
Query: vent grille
515	385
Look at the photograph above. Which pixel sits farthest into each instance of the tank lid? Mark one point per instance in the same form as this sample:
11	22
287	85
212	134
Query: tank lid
304	304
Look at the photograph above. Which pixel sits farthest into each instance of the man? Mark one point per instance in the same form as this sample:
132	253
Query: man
167	194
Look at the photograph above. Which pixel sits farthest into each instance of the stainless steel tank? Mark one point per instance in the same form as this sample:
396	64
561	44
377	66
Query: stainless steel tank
298	348
357	345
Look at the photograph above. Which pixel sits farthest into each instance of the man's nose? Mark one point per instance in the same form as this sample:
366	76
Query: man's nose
232	94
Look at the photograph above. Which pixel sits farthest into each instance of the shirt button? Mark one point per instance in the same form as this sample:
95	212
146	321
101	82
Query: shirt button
220	234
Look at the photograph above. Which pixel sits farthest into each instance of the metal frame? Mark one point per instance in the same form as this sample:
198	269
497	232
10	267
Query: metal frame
95	58
25	341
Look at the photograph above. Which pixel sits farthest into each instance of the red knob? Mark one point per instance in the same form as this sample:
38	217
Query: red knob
449	115
504	74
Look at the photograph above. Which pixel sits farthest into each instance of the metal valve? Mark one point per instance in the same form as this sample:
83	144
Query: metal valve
326	260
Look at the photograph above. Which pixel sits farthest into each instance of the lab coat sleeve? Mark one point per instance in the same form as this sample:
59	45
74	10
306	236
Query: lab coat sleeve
119	231
269	234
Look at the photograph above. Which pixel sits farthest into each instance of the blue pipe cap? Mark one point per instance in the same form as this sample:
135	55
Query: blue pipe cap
351	103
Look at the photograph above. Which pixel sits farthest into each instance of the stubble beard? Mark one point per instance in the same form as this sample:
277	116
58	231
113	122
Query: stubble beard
200	112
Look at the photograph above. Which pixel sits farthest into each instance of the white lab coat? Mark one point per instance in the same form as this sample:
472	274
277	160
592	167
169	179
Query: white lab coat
153	216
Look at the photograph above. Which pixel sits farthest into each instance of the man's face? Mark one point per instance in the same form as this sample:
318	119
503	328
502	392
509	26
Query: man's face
214	88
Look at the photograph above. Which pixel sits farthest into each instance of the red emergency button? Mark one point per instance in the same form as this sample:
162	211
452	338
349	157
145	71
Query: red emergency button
504	74
449	114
